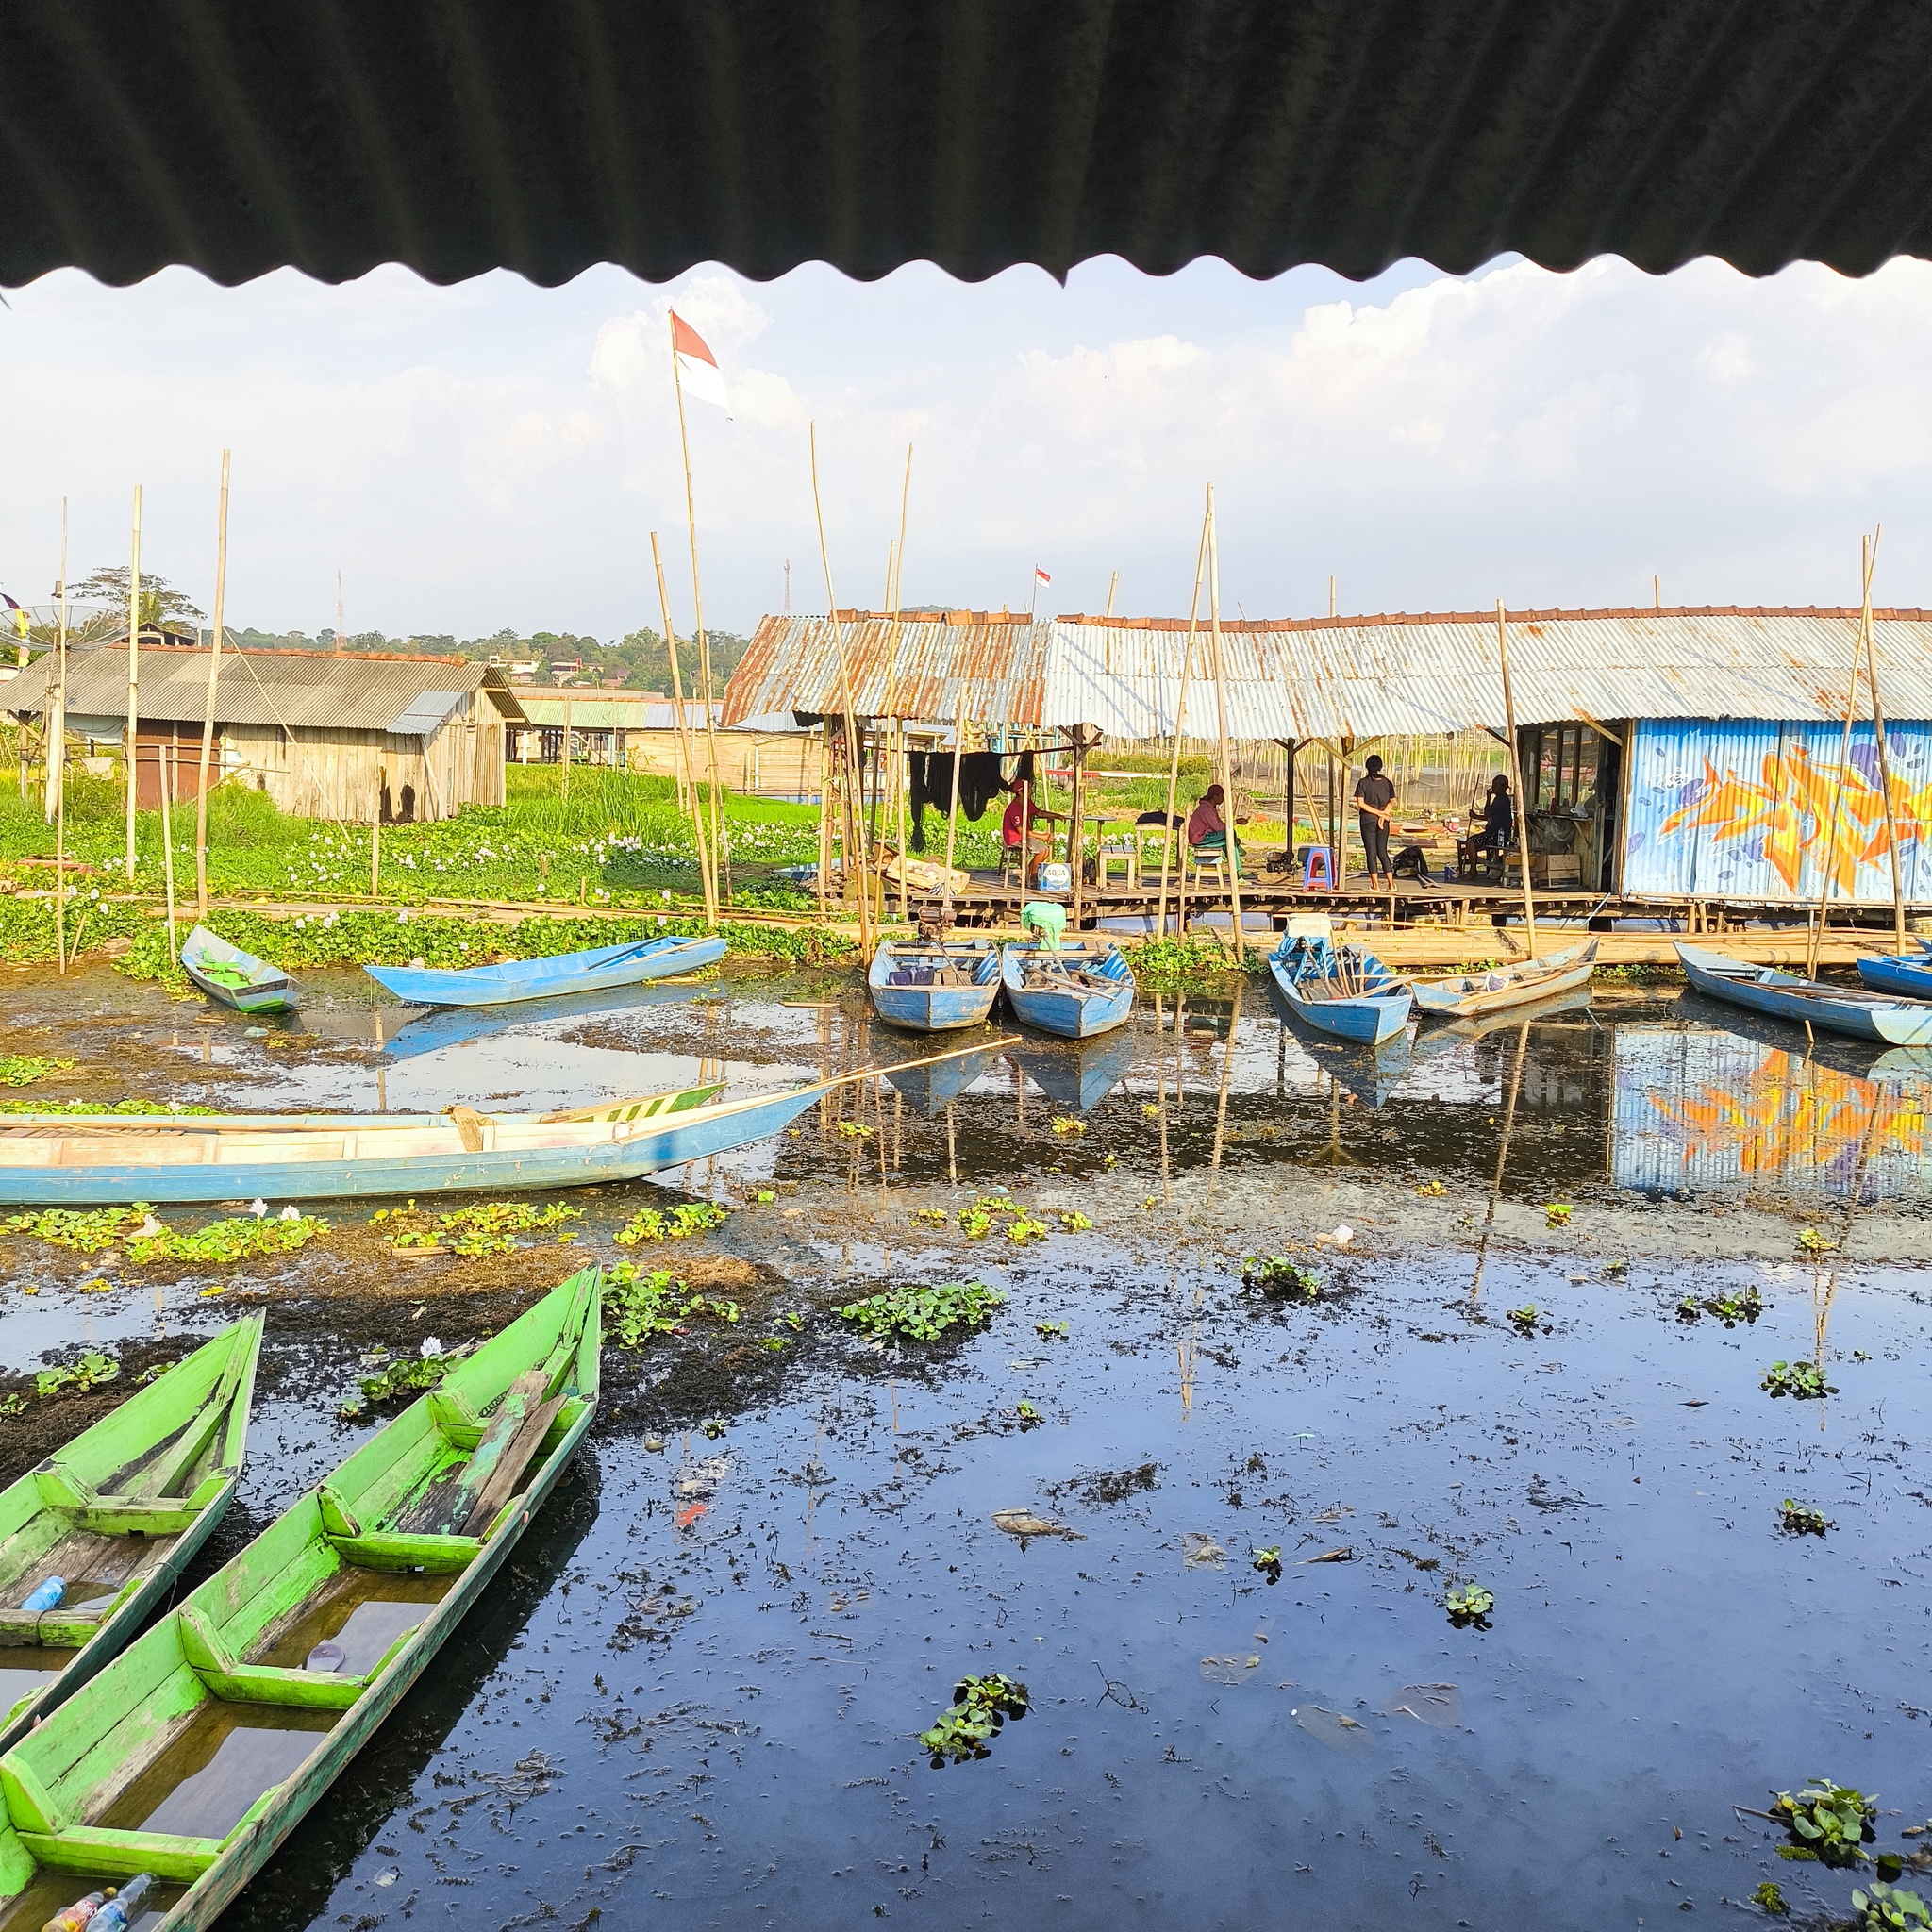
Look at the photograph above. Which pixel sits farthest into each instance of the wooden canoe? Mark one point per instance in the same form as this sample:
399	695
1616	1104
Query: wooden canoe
236	978
379	1563
1084	989
934	988
1342	990
597	971
81	1159
1470	995
118	1514
1835	1009
1910	977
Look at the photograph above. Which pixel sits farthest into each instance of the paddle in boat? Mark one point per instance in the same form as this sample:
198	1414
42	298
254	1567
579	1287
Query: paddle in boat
1080	989
1857	1014
597	971
1470	995
1343	991
195	1753
934	986
236	978
94	1536
1910	975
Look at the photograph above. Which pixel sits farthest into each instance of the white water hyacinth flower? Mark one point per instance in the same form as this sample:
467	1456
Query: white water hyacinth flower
258	1208
289	1215
432	1346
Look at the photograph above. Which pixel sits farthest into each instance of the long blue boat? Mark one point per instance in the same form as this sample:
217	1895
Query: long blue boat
1342	991
1912	977
1083	989
934	986
595	971
1859	1015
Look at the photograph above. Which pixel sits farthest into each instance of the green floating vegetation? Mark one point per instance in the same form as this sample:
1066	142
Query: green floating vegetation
688	1218
930	1217
1770	1899
1178	965
1884	1907
408	1374
1052	1331
1729	1308
24	1068
90	1372
1524	1320
88	1230
988	1211
1281	1278
1268	1562
1068	1125
101	1107
242	1239
923	1314
1074	1221
490	1228
980	1708
1812	1242
1827	1821
1800	1519
1470	1606
1558	1213
1803	1380
640	1305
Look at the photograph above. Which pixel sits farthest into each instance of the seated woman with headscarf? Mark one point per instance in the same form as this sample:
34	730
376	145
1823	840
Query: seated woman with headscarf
1207	832
1499	821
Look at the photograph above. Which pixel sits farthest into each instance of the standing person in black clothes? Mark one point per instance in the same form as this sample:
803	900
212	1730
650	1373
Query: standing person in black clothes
1374	797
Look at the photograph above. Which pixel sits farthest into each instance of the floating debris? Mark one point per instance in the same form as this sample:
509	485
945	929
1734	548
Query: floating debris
1200	1552
1229	1670
1024	1524
1439	1705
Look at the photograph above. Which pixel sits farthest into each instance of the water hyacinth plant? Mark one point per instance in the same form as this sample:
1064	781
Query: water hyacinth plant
1805	1381
686	1218
1470	1606
1278	1276
980	1708
923	1314
1828	1821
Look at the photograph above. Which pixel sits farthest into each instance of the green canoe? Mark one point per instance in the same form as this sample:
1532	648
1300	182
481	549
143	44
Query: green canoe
117	1515
197	1751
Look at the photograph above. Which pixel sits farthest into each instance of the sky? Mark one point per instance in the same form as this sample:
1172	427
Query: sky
495	455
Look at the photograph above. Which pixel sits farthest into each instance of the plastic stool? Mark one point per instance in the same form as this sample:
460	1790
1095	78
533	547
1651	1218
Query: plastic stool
1318	859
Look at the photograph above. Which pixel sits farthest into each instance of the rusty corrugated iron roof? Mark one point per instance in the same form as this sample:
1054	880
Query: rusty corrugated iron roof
315	689
1343	677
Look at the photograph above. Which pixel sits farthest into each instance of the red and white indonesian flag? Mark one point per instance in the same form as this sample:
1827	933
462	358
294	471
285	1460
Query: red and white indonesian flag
1039	576
697	368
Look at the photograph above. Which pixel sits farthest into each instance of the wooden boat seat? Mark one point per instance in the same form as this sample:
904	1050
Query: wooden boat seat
236	1682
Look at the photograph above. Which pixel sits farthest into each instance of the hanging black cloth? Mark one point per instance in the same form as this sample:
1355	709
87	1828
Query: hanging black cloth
980	783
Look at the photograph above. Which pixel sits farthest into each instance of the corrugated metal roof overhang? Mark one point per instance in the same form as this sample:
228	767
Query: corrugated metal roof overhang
458	138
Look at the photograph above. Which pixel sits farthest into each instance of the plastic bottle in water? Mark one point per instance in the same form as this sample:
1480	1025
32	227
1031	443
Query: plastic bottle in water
124	1905
79	1913
48	1594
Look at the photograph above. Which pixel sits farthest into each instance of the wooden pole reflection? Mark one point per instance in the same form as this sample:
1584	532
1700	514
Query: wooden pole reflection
1482	1252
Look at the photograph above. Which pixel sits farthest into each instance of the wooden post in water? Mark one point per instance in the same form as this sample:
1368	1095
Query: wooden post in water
707	878
167	764
1077	841
1228	799
952	814
133	675
1837	798
564	794
207	719
1516	779
57	752
375	835
1898	880
1180	718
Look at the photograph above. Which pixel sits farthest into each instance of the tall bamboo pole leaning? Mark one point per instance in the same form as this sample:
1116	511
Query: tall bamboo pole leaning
1838	799
707	878
719	848
953	810
1516	779
1181	717
1878	730
57	752
1227	796
208	716
900	772
861	870
133	675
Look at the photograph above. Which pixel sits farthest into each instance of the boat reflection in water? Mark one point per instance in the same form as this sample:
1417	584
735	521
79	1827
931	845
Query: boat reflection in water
1076	1076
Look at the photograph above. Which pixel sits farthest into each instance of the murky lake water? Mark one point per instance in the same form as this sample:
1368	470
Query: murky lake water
694	1698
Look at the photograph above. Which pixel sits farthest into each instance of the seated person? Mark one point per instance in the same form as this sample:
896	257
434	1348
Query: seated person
1208	829
1023	813
1499	819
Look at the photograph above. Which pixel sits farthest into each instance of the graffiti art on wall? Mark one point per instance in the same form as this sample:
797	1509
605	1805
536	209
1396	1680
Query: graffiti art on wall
1769	811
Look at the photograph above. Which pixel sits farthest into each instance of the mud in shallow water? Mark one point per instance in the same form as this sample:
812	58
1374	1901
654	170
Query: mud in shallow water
697	1692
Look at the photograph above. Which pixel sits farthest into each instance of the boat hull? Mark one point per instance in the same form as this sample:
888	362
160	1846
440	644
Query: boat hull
1070	1015
268	989
1910	977
1760	989
1440	999
1368	1020
935	1009
597	971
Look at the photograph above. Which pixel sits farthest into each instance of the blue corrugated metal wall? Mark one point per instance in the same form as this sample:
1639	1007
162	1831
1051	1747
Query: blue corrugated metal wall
1726	807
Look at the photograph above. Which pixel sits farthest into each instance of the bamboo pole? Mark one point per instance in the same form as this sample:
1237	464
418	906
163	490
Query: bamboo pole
375	835
707	879
208	720
133	675
1180	715
719	847
1898	881
953	810
901	774
1516	779
167	763
1234	870
1844	760
866	943
1077	841
1111	589
59	755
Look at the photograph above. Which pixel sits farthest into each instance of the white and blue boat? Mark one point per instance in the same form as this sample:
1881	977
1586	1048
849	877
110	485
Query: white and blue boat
1859	1015
597	971
1083	989
1342	990
934	987
236	978
1912	977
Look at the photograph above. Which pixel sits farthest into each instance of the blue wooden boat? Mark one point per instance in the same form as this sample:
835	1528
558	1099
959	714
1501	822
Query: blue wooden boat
1083	989
72	1160
934	986
595	971
1835	1008
1912	977
1342	990
236	978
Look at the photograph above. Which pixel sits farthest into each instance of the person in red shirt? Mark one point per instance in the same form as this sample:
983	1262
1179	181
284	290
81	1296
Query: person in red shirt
1021	814
1207	829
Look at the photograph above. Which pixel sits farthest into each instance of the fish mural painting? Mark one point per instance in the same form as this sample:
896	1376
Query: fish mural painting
1741	809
